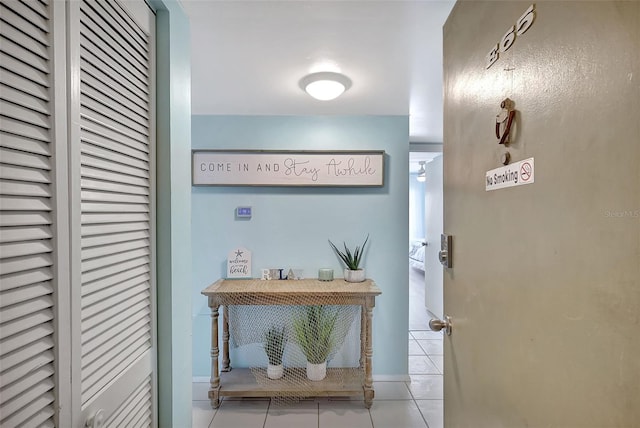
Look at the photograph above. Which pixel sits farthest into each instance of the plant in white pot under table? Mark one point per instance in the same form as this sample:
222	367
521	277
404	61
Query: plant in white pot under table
275	341
314	333
352	271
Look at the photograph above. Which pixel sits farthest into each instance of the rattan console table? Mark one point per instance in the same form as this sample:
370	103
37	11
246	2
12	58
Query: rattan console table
241	382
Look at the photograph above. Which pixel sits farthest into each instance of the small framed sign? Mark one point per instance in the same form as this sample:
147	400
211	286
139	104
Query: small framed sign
287	168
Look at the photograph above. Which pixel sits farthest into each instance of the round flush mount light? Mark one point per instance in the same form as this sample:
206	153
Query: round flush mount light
325	85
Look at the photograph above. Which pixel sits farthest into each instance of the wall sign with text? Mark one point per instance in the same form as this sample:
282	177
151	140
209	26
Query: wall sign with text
287	168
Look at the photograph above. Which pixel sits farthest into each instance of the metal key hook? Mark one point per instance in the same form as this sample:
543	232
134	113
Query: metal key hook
505	117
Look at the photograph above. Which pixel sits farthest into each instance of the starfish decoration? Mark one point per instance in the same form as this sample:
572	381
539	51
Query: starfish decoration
239	253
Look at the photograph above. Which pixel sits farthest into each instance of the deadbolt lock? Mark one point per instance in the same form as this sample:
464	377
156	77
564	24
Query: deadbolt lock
445	250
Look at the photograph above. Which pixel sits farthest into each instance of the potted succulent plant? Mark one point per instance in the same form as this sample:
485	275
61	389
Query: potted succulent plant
275	341
352	271
314	334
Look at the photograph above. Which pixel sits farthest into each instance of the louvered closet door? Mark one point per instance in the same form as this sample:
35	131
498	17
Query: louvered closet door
116	202
26	259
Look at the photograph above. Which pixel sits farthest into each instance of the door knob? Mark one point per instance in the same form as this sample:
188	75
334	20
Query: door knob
437	325
96	420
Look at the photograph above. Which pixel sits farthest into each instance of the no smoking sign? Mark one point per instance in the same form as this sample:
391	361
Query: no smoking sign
516	174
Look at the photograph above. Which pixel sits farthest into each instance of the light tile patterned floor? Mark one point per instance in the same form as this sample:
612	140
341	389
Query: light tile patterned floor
415	404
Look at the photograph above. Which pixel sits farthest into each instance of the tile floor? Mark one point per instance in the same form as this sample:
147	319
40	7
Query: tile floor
415	404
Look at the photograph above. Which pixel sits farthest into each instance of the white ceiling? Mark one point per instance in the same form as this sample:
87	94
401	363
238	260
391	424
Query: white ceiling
248	56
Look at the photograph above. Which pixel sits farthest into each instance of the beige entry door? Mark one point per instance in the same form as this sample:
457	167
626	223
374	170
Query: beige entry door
544	288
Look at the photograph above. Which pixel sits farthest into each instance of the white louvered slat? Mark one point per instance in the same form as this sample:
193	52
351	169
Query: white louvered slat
33	297
39	7
15	360
17	188
23	25
123	198
94	241
23	264
134	413
103	27
111	187
113	63
113	259
116	177
92	289
16	142
18	40
11	234
112	118
99	90
94	71
21	83
39	398
25	323
94	207
28	101
33	334
95	127
28	116
17	280
26	248
25	129
19	203
33	59
19	68
103	252
121	357
17	173
18	218
107	322
114	218
95	303
35	19
115	157
94	351
26	382
117	18
106	229
140	153
16	372
90	279
19	158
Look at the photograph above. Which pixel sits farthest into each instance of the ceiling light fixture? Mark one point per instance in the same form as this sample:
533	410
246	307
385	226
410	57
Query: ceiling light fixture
422	174
325	85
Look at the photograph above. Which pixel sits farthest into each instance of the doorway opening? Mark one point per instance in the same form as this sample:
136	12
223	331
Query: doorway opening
425	272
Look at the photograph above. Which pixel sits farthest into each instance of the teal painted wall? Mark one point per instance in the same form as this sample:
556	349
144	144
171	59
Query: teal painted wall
290	226
173	232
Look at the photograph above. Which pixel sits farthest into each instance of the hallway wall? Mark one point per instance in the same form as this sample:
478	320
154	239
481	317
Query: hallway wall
290	226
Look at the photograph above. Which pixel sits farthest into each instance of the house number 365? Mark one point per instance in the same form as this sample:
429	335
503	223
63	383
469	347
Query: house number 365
522	25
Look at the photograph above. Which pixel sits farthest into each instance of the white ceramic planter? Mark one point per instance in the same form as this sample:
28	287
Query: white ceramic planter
275	372
316	371
354	275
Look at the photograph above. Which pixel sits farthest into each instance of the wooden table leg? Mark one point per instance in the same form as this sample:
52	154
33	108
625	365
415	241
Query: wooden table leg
363	334
226	362
368	377
214	386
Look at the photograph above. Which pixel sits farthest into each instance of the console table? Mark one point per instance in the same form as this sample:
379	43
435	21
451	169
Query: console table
240	382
